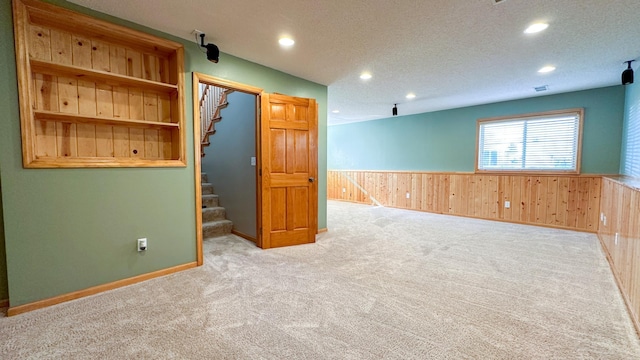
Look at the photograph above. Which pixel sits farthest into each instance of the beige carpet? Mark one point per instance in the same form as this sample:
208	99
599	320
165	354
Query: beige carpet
383	283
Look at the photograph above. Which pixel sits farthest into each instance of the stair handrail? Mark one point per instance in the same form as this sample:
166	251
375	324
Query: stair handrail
205	88
213	99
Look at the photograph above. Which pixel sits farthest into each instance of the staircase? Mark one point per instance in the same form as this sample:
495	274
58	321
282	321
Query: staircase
212	100
214	222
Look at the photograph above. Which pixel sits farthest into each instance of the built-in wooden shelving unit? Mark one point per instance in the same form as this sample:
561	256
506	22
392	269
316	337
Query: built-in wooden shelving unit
95	94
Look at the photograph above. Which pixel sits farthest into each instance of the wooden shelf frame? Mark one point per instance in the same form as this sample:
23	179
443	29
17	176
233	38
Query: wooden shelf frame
96	94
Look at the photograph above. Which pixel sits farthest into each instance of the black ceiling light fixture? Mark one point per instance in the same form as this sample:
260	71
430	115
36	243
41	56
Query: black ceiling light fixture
212	50
627	74
394	111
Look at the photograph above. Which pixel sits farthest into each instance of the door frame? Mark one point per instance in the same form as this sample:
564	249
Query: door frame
197	136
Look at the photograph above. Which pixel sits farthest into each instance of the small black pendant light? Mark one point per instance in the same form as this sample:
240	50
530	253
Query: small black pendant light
394	111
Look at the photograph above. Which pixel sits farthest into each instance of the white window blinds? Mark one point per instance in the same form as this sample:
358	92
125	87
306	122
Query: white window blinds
532	143
631	142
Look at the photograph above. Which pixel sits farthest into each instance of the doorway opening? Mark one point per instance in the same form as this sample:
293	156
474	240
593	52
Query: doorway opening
231	160
286	165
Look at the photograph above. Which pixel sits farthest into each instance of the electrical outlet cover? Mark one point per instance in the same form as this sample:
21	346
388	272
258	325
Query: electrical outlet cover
142	244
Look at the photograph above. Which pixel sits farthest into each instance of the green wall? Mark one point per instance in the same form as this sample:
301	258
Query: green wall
630	158
445	140
228	161
69	229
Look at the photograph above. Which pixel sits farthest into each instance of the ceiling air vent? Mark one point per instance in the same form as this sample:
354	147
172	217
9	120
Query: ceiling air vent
540	88
495	2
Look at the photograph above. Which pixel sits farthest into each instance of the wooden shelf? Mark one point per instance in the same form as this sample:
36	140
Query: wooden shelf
108	78
75	118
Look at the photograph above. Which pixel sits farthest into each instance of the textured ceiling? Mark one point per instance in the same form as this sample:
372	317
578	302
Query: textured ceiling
450	53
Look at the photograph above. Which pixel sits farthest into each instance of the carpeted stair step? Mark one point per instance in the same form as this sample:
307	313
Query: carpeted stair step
214	223
213	214
209	201
216	228
207	188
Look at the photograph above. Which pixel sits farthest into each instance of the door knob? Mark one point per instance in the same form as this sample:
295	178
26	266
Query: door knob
311	179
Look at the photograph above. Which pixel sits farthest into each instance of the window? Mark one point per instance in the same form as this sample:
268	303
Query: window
541	142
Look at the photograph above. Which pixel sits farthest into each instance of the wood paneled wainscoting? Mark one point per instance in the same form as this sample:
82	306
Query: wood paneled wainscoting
563	201
619	233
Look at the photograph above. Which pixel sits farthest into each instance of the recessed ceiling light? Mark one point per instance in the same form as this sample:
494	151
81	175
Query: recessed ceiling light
365	76
411	95
286	41
335	111
547	69
537	27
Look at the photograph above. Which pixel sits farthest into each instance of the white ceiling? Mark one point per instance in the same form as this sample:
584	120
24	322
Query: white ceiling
450	53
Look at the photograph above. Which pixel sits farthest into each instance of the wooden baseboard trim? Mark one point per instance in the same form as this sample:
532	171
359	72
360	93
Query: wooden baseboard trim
551	226
627	302
244	236
323	230
354	201
4	303
96	289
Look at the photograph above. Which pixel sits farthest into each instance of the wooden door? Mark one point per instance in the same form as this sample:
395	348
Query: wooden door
289	164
